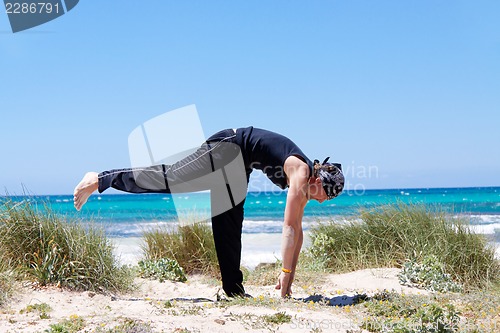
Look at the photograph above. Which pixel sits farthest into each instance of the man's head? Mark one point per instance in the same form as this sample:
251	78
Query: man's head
331	177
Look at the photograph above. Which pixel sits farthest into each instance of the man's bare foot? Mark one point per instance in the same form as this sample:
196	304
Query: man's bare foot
84	189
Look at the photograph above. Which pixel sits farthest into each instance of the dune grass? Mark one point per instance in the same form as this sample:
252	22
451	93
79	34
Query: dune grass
6	281
44	247
191	245
389	235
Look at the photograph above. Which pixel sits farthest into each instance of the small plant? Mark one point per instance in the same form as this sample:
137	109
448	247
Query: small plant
74	324
162	269
322	246
278	318
184	311
254	322
428	275
42	308
127	325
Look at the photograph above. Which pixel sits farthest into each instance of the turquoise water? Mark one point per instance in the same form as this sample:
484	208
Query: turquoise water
128	214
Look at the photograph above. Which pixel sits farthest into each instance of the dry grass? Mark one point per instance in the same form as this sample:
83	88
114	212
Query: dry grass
191	245
43	247
390	235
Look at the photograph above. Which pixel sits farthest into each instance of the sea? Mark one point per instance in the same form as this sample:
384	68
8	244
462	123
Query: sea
127	216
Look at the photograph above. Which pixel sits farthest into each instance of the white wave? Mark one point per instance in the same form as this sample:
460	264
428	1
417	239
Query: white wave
484	219
486	229
137	229
270	226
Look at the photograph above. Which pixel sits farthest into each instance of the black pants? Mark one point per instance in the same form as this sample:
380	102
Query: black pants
216	166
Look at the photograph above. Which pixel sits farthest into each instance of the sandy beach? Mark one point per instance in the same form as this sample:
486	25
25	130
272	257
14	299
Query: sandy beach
147	305
153	304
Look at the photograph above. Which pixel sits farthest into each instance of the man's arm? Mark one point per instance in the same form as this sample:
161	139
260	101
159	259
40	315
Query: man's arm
298	247
297	173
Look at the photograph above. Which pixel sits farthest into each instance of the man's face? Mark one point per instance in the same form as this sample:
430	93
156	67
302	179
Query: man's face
317	191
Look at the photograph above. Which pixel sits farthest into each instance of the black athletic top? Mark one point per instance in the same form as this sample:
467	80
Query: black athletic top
267	151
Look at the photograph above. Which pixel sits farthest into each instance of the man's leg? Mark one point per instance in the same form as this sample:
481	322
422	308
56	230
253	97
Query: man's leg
226	228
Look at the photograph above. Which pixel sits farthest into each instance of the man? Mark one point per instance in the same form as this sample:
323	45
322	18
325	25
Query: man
222	164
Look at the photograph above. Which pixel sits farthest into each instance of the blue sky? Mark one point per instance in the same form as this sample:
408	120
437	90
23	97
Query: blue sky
402	93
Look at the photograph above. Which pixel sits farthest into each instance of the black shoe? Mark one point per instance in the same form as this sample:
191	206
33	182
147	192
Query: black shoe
227	297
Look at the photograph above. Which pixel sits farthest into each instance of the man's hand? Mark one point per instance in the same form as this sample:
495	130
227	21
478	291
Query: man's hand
285	284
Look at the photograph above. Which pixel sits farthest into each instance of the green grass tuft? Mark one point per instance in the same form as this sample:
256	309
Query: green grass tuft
191	245
7	277
278	318
127	325
72	325
42	309
45	247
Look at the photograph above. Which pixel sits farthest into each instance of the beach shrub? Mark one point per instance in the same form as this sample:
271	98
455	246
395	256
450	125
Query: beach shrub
73	324
278	318
127	325
162	269
429	274
387	236
390	312
42	309
191	245
51	250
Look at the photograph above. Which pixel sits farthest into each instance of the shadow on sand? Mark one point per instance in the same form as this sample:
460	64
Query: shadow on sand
342	300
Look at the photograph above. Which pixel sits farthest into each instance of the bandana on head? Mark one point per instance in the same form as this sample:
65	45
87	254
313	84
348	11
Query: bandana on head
331	177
